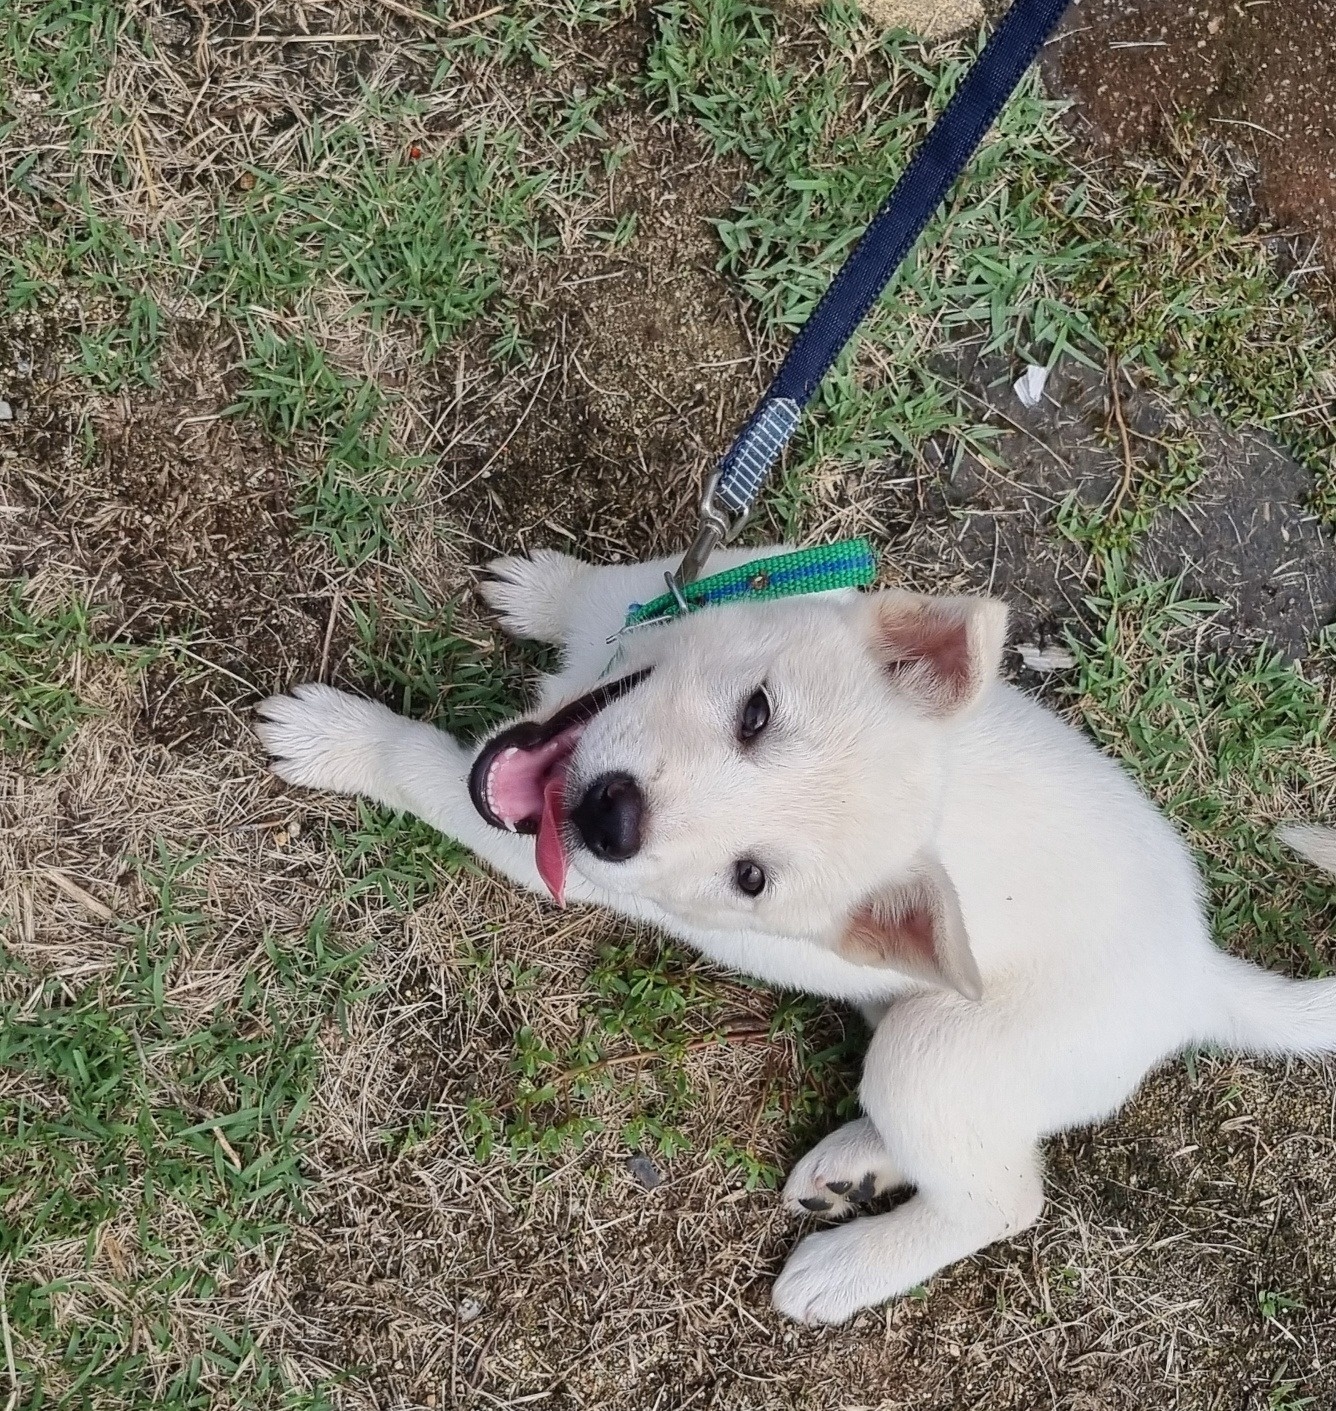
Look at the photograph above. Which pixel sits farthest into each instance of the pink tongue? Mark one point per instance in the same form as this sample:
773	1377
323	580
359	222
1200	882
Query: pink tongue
549	850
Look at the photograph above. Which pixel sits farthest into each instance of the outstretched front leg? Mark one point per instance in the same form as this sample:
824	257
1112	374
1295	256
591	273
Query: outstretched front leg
551	597
321	738
534	595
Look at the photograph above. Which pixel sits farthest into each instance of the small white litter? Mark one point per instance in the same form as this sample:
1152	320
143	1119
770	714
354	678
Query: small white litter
470	1310
6	412
1029	386
1045	659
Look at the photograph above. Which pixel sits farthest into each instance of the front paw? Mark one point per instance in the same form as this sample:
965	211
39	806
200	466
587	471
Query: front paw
531	593
321	738
822	1282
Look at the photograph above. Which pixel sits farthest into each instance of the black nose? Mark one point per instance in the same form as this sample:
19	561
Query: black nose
608	817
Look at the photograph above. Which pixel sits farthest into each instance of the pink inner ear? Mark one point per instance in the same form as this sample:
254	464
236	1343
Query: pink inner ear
936	637
916	933
915	926
901	935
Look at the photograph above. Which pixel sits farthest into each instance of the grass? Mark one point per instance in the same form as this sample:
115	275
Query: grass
143	1153
365	234
620	1080
821	169
418	235
1228	746
1032	257
43	653
420	657
226	1085
416	247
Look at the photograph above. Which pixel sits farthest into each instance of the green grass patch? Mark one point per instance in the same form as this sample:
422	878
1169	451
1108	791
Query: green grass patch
55	58
1229	747
144	1150
367	229
417	655
1179	288
625	1079
418	239
352	238
43	655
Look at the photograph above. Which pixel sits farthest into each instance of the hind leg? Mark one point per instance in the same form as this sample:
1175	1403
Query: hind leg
831	1275
953	1090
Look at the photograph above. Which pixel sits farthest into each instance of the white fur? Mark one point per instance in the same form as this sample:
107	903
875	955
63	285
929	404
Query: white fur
1081	904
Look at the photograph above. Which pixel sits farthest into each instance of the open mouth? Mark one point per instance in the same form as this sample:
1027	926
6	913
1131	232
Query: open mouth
518	782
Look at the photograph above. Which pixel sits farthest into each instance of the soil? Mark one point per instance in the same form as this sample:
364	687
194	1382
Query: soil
1247	539
1259	76
1244	537
178	520
644	367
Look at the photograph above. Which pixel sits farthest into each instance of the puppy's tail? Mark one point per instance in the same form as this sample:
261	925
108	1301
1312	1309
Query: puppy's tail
1261	1012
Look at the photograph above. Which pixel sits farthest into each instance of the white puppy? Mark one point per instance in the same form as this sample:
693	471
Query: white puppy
837	794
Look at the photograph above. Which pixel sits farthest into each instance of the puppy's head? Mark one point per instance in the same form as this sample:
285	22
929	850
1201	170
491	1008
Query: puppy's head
768	766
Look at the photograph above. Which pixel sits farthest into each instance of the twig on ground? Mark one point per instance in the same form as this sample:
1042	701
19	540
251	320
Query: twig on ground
473	19
409	13
149	184
229	1150
1126	483
76	893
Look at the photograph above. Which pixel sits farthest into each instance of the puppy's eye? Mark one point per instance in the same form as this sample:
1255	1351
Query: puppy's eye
749	877
755	715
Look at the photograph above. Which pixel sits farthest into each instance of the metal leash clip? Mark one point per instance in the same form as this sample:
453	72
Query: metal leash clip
715	528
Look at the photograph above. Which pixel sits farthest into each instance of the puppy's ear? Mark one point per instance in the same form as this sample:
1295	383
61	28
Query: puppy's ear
942	652
915	926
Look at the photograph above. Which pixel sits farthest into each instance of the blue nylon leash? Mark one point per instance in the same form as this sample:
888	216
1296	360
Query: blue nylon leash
945	152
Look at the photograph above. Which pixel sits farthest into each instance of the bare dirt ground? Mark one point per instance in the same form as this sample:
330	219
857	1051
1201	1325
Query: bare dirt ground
1188	1255
182	517
1262	76
1246	537
644	362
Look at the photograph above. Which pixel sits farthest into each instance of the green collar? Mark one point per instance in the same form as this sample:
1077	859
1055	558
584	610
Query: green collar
850	563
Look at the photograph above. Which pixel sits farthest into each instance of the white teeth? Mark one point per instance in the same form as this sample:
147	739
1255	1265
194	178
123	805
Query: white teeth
490	797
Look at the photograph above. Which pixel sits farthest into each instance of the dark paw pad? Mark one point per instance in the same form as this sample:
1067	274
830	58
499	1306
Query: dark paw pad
866	1191
814	1203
